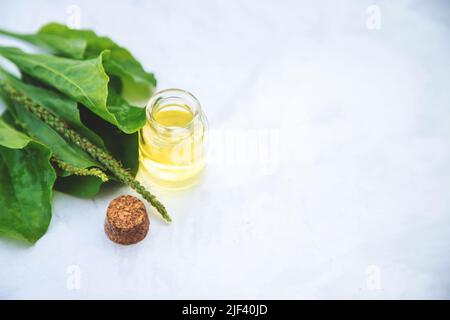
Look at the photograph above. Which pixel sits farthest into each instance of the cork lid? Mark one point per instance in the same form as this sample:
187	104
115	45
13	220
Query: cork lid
126	220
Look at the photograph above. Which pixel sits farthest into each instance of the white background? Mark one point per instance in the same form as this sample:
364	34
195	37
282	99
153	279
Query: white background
348	199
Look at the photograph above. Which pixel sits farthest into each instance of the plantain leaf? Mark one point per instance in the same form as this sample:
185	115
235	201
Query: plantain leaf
121	63
34	127
64	150
25	121
26	181
56	103
84	81
69	47
138	84
123	147
125	113
83	187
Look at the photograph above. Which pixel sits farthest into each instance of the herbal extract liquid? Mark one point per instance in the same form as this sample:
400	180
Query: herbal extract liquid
172	142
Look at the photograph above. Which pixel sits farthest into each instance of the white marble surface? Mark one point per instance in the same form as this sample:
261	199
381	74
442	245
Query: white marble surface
348	199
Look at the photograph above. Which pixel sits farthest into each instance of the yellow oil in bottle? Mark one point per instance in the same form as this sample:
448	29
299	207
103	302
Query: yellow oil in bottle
171	144
174	116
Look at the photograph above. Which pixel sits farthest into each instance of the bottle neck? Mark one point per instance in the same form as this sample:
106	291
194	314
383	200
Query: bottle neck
174	113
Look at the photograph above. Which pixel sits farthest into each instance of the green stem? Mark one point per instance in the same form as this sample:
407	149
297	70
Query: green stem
95	172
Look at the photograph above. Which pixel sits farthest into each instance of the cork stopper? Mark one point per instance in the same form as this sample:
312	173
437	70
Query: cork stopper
126	220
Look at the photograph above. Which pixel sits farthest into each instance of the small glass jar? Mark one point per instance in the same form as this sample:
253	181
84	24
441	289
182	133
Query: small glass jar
172	142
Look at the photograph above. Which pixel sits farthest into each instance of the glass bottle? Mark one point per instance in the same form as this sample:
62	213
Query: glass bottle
172	142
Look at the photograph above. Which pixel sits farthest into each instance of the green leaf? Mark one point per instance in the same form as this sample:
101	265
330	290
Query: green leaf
11	138
69	47
56	103
85	44
34	127
83	187
126	113
65	151
123	147
84	81
121	63
26	181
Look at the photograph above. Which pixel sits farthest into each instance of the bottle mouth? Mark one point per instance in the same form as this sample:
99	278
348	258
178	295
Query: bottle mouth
173	99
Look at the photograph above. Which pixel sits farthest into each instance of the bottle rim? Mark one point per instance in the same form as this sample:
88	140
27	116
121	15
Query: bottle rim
171	97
